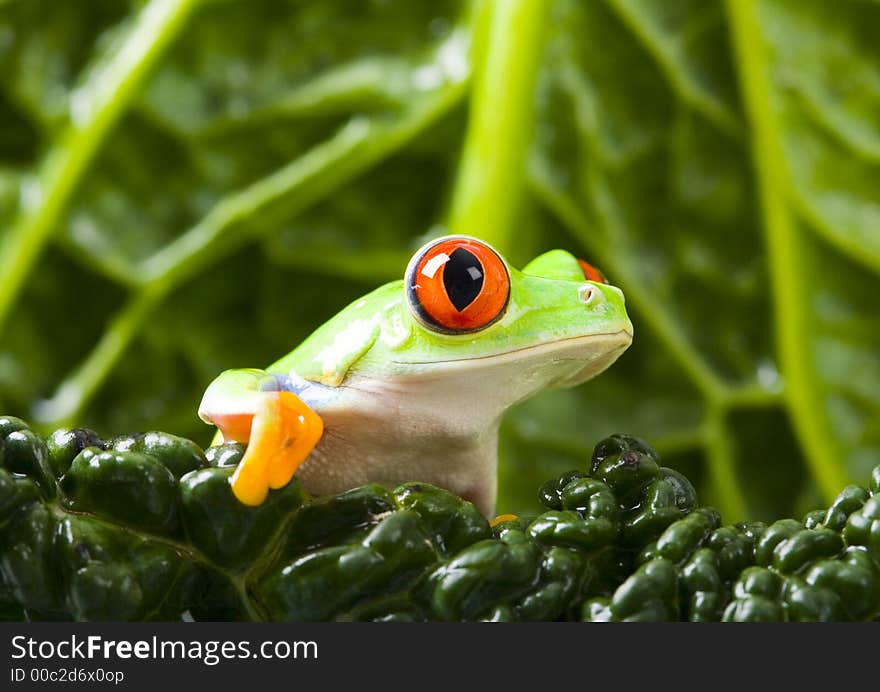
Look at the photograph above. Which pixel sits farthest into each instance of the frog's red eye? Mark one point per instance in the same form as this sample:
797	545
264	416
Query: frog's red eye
591	273
457	285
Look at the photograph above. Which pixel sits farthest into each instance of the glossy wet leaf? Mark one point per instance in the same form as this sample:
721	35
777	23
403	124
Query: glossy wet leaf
121	534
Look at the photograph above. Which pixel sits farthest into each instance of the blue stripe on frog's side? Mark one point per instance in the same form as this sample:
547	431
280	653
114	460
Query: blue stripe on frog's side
313	394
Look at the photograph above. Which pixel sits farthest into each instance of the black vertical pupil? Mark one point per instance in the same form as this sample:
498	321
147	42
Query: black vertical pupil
462	278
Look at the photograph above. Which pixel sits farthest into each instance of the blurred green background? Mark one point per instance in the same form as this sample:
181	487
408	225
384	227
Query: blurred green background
192	186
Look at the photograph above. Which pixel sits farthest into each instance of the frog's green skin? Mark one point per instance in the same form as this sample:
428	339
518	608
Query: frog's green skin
403	403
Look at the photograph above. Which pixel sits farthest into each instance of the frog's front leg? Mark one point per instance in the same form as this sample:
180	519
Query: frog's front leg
280	430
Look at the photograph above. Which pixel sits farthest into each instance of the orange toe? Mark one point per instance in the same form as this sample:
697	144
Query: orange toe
502	518
302	429
283	434
235	427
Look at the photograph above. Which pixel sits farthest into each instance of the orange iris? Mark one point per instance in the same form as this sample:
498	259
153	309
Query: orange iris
591	273
458	285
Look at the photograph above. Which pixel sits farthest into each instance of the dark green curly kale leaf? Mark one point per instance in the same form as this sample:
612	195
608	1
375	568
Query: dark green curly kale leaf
145	527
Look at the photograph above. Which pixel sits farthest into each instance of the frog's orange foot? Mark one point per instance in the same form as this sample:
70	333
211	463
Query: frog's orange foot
233	427
283	432
502	518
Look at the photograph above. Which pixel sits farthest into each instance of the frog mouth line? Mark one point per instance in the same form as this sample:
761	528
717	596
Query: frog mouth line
547	345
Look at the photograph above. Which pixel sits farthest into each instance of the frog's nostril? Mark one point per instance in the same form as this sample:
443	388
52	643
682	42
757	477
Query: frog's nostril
588	294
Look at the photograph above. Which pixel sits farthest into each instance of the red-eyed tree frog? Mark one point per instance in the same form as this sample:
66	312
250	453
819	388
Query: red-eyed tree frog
409	383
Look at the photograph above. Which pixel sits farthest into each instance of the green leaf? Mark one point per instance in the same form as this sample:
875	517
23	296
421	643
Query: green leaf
188	177
688	181
818	293
146	527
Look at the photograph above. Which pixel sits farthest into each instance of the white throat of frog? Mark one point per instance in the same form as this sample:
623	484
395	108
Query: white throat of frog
474	392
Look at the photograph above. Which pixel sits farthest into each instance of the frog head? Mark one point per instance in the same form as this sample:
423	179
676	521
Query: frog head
463	314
